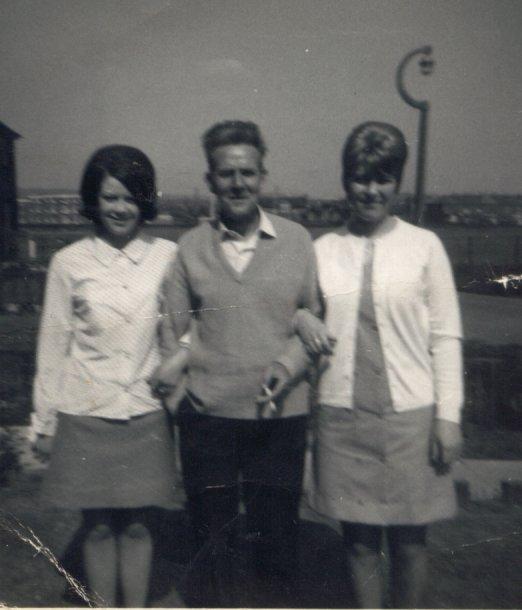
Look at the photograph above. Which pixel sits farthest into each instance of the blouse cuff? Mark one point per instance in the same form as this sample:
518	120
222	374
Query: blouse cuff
450	413
45	426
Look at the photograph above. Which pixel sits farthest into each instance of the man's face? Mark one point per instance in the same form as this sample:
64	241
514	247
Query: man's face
235	178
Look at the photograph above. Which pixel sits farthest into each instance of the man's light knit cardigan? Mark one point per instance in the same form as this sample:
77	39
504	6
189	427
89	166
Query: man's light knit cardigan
244	321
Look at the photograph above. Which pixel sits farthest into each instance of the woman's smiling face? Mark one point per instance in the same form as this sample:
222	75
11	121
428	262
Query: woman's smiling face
118	213
371	197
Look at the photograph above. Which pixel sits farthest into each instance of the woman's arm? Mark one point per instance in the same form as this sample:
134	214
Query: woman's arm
308	321
53	347
167	376
446	353
174	350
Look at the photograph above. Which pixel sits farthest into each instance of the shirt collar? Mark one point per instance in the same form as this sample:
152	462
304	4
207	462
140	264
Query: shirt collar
134	250
265	227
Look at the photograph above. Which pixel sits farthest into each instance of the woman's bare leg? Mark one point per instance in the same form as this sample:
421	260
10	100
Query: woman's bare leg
100	555
409	561
364	543
135	546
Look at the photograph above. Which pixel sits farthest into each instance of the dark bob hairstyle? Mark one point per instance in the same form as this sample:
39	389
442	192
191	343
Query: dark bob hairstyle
128	165
232	132
373	149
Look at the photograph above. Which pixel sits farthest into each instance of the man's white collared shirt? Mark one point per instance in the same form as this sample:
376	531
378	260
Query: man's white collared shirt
239	250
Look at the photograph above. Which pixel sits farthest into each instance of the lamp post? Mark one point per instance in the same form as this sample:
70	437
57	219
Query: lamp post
426	64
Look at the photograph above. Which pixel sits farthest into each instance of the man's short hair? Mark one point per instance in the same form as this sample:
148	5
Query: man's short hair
129	166
232	132
374	148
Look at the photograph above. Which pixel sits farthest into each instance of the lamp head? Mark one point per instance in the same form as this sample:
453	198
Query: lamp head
426	65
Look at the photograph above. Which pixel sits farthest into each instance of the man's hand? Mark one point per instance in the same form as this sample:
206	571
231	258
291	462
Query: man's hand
275	381
42	446
167	375
446	444
313	333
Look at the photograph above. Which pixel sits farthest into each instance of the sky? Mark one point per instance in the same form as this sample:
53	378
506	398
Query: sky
79	74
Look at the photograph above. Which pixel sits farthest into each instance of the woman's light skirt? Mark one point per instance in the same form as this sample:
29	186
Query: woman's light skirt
375	468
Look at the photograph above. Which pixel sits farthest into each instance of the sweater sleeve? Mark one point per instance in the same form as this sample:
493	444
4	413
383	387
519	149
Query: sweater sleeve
295	358
54	339
177	306
445	335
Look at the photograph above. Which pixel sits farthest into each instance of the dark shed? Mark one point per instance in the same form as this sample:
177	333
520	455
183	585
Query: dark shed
8	207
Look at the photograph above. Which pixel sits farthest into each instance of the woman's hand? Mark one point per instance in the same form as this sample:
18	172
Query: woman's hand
42	446
167	375
446	444
313	333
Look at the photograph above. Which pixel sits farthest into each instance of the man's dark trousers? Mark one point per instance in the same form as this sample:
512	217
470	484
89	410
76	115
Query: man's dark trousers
259	461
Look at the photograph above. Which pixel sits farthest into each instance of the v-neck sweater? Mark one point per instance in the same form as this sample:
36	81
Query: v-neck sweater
244	320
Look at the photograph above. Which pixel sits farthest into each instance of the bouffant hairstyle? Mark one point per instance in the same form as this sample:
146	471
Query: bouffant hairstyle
232	132
373	149
128	165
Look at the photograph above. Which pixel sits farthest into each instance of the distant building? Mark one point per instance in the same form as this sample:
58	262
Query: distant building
48	222
474	210
8	210
313	212
293	207
50	210
324	212
185	211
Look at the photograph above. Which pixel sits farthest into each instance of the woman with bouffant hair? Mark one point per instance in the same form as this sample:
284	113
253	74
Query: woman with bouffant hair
390	396
111	453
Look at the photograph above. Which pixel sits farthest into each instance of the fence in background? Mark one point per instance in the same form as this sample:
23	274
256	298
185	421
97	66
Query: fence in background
22	288
493	385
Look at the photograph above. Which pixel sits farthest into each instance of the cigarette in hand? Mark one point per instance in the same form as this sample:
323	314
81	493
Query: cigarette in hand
268	393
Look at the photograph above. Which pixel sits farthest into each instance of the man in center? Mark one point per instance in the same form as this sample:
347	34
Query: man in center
243	420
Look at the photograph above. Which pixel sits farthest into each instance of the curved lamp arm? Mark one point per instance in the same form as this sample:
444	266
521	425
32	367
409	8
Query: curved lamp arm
426	65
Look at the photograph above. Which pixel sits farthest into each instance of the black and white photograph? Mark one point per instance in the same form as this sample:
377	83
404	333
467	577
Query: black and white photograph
261	303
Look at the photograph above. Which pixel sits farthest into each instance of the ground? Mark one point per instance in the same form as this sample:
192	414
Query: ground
474	560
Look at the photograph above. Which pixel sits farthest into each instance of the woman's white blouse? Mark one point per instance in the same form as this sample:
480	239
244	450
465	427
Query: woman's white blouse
99	333
417	314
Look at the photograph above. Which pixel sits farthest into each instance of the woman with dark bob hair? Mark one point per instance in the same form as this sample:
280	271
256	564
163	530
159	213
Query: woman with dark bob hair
111	453
390	396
